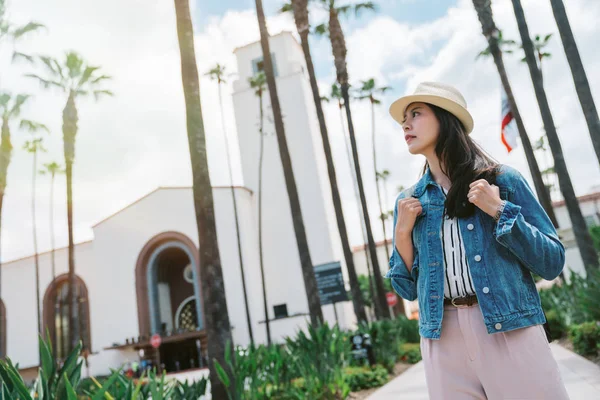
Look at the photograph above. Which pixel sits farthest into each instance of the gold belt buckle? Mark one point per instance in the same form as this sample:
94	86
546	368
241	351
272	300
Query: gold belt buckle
458	305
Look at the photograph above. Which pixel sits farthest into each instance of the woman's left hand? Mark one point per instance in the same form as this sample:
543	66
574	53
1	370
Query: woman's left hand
485	196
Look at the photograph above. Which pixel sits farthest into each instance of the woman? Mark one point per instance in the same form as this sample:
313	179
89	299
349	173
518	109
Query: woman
467	237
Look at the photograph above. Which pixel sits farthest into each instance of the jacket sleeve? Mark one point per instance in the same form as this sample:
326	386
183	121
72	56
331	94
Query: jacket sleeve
403	282
525	229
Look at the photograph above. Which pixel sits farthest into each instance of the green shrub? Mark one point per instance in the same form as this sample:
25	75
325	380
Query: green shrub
586	338
558	328
409	329
385	337
410	353
360	378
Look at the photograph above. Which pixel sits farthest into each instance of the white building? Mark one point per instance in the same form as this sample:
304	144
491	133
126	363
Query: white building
140	274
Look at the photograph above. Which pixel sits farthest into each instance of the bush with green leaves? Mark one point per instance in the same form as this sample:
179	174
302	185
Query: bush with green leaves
410	352
385	338
409	329
586	338
576	301
361	378
558	327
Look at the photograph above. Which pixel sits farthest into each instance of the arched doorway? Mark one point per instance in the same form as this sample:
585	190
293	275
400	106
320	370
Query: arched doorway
2	329
169	299
56	315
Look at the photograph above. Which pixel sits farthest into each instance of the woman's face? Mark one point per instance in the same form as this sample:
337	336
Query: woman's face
421	129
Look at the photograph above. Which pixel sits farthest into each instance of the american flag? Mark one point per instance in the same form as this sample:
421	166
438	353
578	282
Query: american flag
510	132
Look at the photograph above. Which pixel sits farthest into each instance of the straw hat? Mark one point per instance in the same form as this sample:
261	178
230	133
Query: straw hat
438	94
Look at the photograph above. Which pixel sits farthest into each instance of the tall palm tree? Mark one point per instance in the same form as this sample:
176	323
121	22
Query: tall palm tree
300	10
339	50
259	84
52	169
582	234
217	73
35	146
491	33
368	91
75	78
336	95
308	273
582	86
10	110
217	323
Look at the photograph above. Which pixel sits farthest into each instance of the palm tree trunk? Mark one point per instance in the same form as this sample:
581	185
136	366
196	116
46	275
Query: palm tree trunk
308	273
582	85
387	250
5	155
35	247
484	12
216	315
260	241
302	23
237	222
70	119
582	235
338	46
52	240
360	216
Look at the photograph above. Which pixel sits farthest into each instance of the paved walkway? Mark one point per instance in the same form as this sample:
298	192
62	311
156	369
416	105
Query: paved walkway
581	377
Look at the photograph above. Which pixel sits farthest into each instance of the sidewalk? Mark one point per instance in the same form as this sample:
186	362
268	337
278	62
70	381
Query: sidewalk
581	377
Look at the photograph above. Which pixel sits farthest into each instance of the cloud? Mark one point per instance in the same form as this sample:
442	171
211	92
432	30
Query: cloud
132	143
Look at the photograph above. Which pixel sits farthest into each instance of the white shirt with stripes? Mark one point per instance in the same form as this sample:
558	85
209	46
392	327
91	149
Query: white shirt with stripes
457	279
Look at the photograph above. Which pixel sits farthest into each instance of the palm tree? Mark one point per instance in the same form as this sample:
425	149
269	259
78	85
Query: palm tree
368	91
308	273
506	45
74	77
491	33
217	73
10	109
582	234
52	169
336	94
259	83
34	146
582	86
339	50
300	10
217	326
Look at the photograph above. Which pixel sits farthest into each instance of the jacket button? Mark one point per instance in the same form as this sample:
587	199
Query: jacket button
470	227
498	326
477	258
486	290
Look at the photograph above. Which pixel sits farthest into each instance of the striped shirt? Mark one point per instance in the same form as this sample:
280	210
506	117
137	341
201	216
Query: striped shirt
457	282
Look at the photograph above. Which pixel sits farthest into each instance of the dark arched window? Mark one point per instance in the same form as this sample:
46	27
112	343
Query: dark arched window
56	315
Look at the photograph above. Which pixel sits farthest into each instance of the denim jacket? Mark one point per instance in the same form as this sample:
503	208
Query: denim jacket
501	256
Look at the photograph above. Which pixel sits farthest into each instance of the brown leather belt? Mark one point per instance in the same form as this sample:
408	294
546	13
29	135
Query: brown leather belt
461	301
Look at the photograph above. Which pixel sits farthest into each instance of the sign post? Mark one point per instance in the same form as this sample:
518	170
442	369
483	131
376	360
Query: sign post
330	282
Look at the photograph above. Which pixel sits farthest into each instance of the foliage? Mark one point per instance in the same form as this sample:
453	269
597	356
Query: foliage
385	338
360	378
363	283
558	327
595	233
409	329
410	352
586	338
576	301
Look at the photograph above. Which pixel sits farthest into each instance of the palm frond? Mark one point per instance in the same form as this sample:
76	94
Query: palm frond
287	7
49	64
100	79
548	37
23	30
19	101
46	83
17	55
100	93
369	5
87	74
4	99
32	126
321	30
74	64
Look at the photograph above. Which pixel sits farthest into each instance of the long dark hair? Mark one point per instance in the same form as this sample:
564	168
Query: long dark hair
462	160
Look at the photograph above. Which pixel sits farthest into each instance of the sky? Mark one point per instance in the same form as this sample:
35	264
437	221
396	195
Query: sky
132	143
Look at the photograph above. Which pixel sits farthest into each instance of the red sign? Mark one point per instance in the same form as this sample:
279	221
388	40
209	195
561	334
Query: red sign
392	300
155	341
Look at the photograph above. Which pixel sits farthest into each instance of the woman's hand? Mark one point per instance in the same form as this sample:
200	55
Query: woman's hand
408	210
485	196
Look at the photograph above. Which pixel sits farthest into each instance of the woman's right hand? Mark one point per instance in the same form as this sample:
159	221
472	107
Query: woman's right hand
408	210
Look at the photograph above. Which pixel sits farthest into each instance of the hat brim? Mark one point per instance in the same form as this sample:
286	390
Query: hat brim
399	106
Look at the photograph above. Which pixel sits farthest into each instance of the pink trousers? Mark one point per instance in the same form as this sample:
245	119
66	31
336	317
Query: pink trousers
468	363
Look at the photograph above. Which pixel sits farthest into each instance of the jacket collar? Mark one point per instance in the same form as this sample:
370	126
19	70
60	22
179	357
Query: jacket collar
421	185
